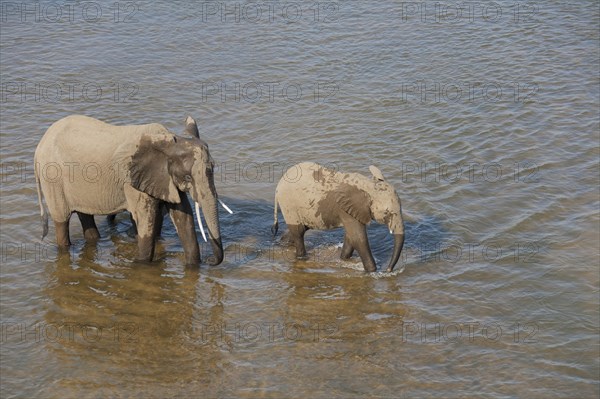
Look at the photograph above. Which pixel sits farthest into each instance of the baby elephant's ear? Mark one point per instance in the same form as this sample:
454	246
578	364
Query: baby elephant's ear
355	202
376	173
191	127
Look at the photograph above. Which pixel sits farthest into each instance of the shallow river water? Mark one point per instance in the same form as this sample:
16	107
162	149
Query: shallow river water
484	117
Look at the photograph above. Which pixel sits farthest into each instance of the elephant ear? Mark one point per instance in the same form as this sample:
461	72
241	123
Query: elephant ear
355	202
191	127
376	173
149	170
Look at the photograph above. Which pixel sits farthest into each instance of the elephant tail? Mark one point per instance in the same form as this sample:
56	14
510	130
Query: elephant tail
275	226
43	212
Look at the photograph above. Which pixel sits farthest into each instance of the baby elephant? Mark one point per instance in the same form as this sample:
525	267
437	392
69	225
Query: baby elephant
320	198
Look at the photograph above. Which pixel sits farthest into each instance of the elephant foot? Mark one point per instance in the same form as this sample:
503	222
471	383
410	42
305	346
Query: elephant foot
90	230
63	248
62	235
369	263
145	249
297	237
370	268
347	249
91	235
192	260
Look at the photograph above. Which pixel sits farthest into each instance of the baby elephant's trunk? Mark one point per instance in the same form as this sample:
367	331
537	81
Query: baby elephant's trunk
398	244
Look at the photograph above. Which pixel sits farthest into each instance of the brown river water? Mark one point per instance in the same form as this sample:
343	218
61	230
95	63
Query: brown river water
484	116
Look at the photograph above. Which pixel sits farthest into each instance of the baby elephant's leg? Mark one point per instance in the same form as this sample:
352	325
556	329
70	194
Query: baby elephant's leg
297	236
347	248
357	237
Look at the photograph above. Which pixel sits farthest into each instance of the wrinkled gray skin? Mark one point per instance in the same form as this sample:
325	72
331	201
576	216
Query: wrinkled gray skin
313	197
90	167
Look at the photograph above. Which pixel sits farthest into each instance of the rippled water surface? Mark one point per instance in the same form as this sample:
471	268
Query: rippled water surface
486	123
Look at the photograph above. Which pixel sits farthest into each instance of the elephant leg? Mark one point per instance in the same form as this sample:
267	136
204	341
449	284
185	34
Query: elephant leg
60	213
297	236
357	237
146	233
62	234
90	230
145	248
183	219
144	210
347	248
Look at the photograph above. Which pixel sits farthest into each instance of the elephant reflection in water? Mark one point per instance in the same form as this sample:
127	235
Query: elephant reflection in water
163	298
122	322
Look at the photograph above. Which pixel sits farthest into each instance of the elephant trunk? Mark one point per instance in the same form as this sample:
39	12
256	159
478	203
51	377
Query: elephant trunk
211	216
398	244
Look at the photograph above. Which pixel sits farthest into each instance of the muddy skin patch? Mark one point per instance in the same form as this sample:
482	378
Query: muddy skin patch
328	211
203	181
203	166
381	186
178	168
318	176
355	202
387	218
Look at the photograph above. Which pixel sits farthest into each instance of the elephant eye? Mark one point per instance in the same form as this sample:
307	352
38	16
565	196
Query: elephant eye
187	178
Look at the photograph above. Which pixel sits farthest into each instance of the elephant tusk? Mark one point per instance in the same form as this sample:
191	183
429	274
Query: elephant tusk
391	231
200	221
226	207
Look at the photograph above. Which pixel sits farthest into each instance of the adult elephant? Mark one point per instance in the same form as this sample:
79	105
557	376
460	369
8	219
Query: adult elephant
320	198
90	167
